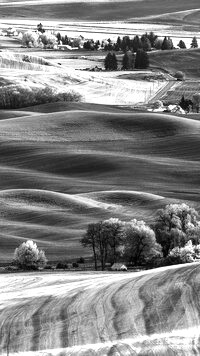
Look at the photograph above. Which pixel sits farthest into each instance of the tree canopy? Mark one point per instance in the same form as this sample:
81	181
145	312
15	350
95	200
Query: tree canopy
28	256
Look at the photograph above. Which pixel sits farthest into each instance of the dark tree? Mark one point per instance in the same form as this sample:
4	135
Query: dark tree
152	38
110	62
142	59
126	44
181	44
167	44
146	44
128	61
186	104
119	42
136	43
104	239
89	240
87	45
40	28
58	36
194	43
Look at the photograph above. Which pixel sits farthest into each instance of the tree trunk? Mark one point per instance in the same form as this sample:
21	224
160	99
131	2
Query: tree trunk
95	257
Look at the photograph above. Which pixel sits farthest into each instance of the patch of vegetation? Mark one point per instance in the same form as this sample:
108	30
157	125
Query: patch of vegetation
28	256
173	238
13	97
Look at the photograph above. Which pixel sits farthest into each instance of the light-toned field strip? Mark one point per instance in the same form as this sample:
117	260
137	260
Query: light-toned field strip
75	313
36	2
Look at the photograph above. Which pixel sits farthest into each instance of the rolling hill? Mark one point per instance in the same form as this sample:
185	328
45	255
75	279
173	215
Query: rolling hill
152	313
63	170
92	10
174	60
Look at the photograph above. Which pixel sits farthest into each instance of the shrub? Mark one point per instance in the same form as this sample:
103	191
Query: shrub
28	256
179	75
187	254
75	265
61	265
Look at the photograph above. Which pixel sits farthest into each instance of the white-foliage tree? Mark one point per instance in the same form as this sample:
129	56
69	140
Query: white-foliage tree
28	256
30	39
188	253
48	40
176	224
140	242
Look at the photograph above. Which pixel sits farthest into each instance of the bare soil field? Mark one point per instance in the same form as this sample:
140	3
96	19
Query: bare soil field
150	313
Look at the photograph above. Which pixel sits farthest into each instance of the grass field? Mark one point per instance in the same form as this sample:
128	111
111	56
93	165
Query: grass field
153	313
178	60
62	170
94	11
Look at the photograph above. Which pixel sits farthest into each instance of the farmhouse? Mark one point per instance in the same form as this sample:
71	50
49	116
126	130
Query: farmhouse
119	267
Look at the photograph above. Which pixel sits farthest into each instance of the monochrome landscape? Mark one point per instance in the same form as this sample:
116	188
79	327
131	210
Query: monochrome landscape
99	177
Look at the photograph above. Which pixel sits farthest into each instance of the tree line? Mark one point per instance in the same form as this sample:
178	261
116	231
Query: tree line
173	238
147	42
129	60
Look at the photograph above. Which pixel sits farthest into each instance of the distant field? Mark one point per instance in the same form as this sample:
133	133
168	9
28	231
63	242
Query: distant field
95	11
61	170
186	61
152	313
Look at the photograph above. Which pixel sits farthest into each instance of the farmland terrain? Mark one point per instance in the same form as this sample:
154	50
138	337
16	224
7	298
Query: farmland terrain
100	10
64	165
62	170
150	313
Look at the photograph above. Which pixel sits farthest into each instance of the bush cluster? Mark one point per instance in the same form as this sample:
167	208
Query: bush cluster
13	97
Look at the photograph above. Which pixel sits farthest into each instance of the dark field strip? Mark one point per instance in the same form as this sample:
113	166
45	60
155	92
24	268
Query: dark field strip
146	313
121	10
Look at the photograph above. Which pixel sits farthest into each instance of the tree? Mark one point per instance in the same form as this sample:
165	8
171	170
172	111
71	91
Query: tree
185	104
194	43
175	225
40	28
113	231
187	254
167	44
103	238
89	240
136	43
128	61
110	61
158	44
125	44
28	256
140	242
146	44
30	39
196	101
179	75
48	40
181	44
142	59
152	38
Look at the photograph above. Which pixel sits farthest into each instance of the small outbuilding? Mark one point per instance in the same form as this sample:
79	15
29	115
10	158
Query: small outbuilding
119	267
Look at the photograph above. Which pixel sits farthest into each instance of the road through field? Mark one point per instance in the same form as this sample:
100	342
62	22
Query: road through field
144	313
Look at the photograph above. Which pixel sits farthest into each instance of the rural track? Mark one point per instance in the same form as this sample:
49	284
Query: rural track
161	92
